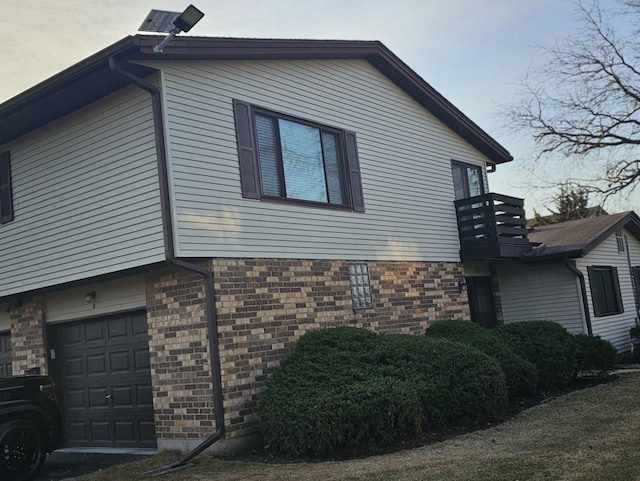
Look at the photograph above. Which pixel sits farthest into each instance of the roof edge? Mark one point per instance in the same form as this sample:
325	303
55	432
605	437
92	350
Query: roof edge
140	47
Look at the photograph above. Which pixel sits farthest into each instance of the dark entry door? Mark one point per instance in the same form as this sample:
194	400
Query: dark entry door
481	301
5	355
103	375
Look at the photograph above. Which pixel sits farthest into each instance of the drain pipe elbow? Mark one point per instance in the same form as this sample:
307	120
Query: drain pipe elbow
169	250
583	292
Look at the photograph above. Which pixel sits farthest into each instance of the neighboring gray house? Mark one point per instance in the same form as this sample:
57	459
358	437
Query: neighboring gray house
170	223
583	274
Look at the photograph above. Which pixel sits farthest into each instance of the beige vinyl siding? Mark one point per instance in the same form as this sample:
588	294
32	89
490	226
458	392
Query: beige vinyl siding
112	296
405	157
85	196
548	293
614	328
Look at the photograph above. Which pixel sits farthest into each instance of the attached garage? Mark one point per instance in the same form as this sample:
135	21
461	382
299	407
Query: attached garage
5	354
102	372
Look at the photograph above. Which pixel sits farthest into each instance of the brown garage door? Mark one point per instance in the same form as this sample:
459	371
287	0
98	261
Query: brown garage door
5	355
101	368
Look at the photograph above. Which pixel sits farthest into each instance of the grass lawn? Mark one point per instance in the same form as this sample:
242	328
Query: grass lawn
587	435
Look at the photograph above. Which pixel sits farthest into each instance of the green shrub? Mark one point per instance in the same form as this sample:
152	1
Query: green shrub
455	383
348	388
594	354
520	374
547	345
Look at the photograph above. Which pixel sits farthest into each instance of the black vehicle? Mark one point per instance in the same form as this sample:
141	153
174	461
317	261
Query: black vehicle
30	425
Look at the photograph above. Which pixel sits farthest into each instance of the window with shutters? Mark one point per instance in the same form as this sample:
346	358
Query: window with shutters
294	160
605	290
6	197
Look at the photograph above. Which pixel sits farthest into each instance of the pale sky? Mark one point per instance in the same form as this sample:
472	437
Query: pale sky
471	51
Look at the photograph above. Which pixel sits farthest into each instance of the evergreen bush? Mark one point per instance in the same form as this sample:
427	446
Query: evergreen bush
594	354
347	388
547	345
520	375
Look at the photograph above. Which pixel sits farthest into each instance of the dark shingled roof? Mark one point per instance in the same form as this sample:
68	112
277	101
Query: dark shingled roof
576	238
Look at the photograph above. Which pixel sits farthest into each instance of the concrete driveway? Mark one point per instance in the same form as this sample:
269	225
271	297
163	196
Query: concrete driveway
64	465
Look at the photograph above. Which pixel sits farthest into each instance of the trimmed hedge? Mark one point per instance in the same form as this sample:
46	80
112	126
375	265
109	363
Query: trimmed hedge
594	354
349	388
520	374
547	345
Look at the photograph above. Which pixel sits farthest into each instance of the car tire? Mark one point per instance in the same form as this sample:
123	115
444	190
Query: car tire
22	450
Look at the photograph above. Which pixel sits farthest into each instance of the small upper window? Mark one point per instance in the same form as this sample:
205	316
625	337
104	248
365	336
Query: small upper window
6	196
291	159
605	290
467	180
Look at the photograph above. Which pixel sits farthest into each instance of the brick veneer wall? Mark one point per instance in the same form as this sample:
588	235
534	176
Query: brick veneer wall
28	336
179	354
263	306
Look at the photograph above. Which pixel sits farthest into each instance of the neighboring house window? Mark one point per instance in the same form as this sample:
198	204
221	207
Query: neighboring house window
360	286
620	241
467	180
605	290
6	196
285	158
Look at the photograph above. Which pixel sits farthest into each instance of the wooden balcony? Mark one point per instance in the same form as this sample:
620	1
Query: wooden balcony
491	226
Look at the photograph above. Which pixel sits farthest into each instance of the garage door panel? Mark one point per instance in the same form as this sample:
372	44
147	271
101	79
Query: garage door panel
98	398
118	330
101	432
95	332
77	431
145	396
74	366
141	359
97	365
75	399
120	361
72	335
105	382
122	396
125	432
147	433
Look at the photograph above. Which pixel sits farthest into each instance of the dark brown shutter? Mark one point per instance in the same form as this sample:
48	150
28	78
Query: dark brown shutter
355	178
595	291
6	197
249	180
616	289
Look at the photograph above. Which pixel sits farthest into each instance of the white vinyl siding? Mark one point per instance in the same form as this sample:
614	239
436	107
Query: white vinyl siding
118	295
614	328
541	293
86	196
405	158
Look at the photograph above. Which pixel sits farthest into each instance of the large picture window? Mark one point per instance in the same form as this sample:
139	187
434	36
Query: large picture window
605	290
6	196
286	158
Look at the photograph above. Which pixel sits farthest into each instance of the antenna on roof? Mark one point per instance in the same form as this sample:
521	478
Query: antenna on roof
161	21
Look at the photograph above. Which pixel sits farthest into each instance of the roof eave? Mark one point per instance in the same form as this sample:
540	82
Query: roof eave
53	96
631	222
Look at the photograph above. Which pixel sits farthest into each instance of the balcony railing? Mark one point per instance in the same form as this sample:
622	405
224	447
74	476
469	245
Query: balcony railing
491	226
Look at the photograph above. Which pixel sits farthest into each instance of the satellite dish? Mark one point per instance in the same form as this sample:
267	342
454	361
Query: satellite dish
159	21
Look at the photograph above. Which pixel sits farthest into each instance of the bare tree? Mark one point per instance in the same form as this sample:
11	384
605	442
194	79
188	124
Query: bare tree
584	102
